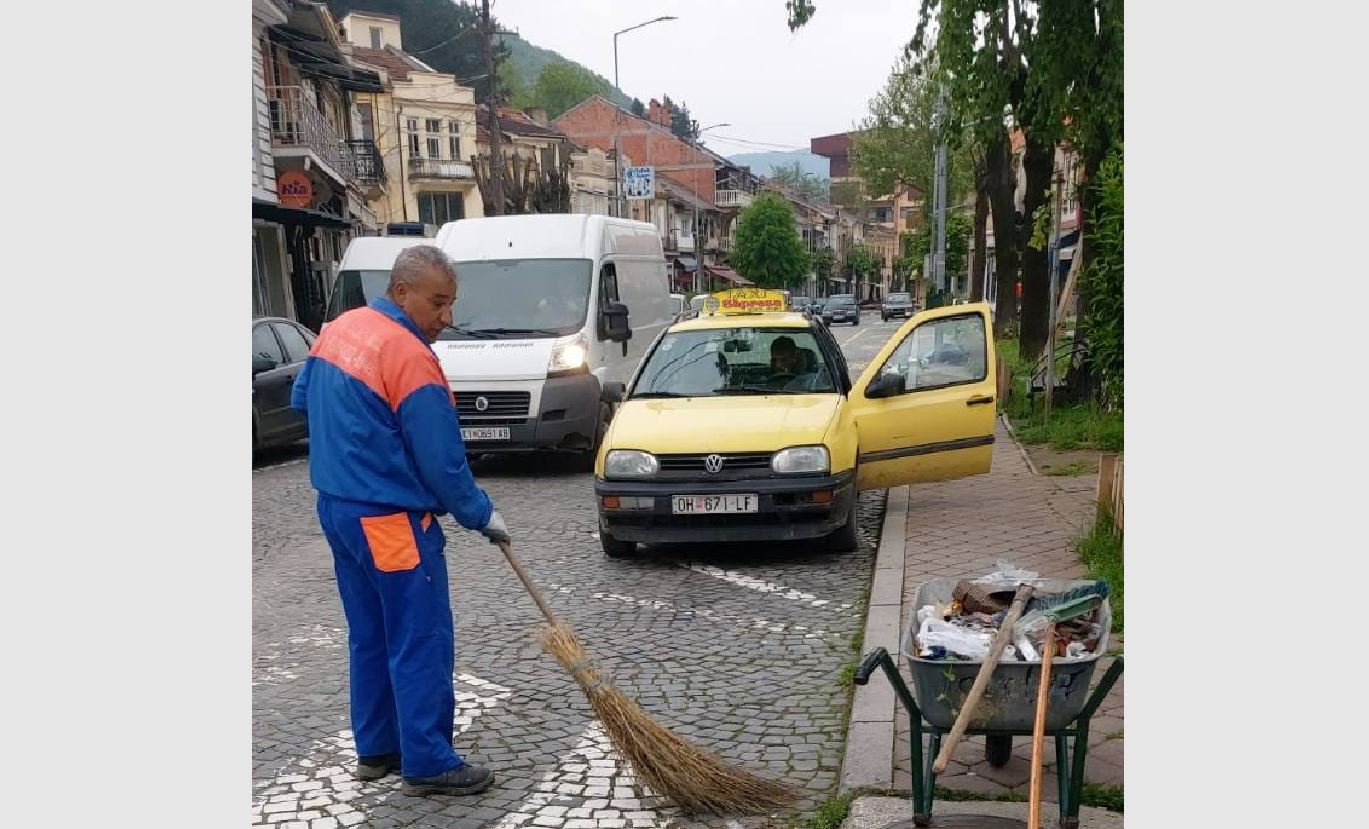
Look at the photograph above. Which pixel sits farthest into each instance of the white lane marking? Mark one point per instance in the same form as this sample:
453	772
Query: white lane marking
760	585
589	784
322	782
721	618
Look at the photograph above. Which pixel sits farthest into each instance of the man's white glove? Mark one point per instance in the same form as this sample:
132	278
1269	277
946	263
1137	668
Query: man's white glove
496	531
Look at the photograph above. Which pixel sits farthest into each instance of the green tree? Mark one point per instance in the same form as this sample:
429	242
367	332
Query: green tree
860	262
768	249
563	85
513	88
1103	275
824	259
918	244
794	177
680	122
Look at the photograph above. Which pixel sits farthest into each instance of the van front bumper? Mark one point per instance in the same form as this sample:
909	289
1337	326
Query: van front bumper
785	510
567	418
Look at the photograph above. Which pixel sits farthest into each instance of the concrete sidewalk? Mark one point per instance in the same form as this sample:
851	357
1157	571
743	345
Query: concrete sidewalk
963	528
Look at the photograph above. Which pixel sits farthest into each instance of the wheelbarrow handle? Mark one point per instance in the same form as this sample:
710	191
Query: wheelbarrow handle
872	660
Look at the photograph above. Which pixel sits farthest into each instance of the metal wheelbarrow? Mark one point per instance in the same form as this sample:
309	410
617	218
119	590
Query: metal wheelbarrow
1007	709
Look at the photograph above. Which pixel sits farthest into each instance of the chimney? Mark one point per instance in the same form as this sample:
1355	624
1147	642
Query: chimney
658	114
539	116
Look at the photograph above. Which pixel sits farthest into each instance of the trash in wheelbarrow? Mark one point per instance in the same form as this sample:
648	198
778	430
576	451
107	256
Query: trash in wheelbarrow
942	647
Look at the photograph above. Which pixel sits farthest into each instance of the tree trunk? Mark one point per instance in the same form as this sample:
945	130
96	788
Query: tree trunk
981	221
999	177
1037	163
1080	378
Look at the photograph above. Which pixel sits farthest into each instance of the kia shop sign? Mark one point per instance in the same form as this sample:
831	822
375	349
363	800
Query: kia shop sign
294	189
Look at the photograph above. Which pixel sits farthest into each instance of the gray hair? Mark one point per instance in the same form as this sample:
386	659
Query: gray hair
416	262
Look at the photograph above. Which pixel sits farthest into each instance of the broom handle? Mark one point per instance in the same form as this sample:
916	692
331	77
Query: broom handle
1039	732
536	594
981	681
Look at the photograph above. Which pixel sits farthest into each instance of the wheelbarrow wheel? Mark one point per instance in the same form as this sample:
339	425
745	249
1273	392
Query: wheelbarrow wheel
998	749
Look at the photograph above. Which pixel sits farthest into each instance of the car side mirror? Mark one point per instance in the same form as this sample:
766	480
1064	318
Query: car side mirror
886	385
616	323
614	392
260	364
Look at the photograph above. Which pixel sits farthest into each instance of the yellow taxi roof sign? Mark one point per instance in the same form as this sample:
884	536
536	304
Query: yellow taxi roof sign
745	301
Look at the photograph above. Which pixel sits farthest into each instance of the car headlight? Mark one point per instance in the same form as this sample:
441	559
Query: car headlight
798	460
630	463
568	355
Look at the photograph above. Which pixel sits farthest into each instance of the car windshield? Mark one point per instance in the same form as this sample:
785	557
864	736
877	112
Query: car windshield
356	289
722	362
841	302
900	298
520	298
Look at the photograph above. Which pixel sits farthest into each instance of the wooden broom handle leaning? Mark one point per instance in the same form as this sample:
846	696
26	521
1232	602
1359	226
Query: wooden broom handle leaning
981	682
536	594
1039	732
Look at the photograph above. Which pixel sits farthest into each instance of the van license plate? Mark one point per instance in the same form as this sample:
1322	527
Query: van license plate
713	504
485	433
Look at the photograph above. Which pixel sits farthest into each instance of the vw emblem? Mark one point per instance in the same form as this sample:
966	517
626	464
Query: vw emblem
713	464
481	404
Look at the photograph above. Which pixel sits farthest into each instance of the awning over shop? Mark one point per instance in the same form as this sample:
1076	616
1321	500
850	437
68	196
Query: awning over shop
727	273
687	262
296	216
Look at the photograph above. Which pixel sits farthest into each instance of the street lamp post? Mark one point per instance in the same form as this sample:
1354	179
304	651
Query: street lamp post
698	254
617	149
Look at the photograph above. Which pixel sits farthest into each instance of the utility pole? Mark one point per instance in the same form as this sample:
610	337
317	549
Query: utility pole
492	103
939	196
1055	279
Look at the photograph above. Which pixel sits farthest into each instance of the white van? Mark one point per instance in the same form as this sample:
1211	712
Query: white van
365	271
553	313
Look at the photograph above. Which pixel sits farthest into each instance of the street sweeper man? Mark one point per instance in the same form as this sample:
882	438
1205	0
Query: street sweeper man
386	457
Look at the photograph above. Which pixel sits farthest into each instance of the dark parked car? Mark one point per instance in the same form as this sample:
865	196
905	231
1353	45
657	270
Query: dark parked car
841	308
897	305
279	348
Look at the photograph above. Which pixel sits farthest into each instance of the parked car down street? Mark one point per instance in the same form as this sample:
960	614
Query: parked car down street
896	305
279	349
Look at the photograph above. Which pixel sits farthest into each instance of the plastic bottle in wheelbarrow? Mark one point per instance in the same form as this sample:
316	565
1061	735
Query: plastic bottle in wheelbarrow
1009	704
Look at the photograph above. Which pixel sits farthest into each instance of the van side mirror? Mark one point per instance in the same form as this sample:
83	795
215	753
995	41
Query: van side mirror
260	364
616	323
886	385
614	392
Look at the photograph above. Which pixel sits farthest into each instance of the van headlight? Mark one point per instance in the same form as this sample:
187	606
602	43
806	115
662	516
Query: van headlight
569	356
630	463
799	460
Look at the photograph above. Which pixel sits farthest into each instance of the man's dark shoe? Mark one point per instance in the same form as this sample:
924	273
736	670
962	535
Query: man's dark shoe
467	779
376	767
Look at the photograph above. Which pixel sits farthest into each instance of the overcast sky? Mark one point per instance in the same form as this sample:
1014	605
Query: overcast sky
732	61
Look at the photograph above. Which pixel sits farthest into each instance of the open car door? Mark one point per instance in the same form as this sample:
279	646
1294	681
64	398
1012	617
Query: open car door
924	407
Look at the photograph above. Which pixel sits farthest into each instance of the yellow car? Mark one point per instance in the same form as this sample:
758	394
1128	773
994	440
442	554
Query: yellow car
743	424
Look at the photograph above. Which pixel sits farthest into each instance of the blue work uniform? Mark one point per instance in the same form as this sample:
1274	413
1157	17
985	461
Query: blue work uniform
386	456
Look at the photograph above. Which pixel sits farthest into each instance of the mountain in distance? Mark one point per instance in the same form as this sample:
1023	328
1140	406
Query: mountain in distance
530	60
762	164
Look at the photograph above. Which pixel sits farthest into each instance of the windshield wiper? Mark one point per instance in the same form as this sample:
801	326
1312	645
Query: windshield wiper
649	394
495	332
761	390
469	332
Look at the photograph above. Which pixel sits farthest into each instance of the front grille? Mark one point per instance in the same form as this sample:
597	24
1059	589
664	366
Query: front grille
494	421
736	466
500	404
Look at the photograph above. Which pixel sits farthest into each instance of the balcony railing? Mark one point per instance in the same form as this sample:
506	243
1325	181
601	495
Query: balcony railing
683	241
438	168
725	244
733	198
367	162
296	122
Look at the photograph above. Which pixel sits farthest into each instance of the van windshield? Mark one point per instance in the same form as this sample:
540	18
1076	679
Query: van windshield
520	297
355	289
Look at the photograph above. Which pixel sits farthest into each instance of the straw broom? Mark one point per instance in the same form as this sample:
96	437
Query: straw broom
695	779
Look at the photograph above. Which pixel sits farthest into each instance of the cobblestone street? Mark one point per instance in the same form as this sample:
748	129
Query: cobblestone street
739	649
